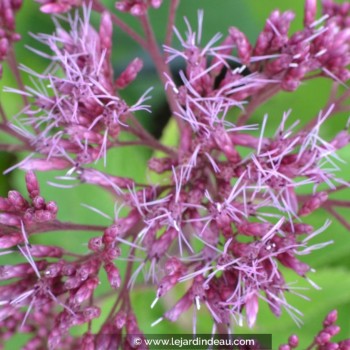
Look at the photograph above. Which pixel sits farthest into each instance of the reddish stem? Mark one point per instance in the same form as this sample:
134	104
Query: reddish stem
6	128
171	21
146	143
12	147
311	346
12	62
123	294
65	226
159	62
138	130
338	217
338	188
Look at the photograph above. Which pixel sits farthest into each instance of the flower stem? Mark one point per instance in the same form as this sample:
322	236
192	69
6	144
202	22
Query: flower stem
161	67
171	21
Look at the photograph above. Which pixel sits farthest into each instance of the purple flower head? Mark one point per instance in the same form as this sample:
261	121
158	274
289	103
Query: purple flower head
76	116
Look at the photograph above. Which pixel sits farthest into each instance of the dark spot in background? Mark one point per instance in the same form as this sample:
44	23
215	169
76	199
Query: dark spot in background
6	182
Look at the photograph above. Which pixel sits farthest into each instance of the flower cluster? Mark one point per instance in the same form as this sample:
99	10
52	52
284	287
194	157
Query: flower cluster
228	217
75	109
323	339
8	35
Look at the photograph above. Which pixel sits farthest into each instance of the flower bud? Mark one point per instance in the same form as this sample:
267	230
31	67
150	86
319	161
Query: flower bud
313	203
17	200
293	341
129	74
252	308
330	318
32	184
85	291
310	12
113	275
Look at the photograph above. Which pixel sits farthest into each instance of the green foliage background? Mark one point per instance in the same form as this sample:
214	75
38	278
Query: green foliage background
332	263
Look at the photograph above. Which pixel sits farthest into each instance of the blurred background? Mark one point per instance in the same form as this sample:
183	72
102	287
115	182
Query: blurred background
332	263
